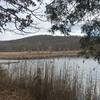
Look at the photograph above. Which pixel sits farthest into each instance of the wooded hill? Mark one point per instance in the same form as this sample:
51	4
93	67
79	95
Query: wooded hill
42	43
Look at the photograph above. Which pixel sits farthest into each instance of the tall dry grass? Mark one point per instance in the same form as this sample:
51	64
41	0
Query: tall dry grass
45	84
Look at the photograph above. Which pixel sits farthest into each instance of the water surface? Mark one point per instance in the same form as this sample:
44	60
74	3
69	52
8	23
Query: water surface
80	65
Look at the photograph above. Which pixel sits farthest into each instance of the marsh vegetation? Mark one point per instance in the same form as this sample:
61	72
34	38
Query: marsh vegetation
48	80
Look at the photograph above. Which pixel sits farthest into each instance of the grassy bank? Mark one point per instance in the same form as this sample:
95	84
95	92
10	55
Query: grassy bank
45	84
37	54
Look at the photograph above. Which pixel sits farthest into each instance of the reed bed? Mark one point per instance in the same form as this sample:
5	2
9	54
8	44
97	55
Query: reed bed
44	83
38	54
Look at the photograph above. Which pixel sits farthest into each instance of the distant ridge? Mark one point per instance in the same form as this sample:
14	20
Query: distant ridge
42	43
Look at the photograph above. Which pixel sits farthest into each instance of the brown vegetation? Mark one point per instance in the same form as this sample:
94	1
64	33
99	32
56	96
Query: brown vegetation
45	84
37	54
14	93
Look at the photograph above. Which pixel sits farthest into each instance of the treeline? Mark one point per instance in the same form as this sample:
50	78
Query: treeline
42	43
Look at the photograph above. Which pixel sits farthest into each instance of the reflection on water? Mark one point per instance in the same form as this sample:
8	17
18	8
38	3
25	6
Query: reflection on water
67	75
81	65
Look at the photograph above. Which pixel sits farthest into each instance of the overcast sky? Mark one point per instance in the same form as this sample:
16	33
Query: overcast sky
45	26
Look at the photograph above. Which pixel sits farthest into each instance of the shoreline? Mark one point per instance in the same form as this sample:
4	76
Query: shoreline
38	54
